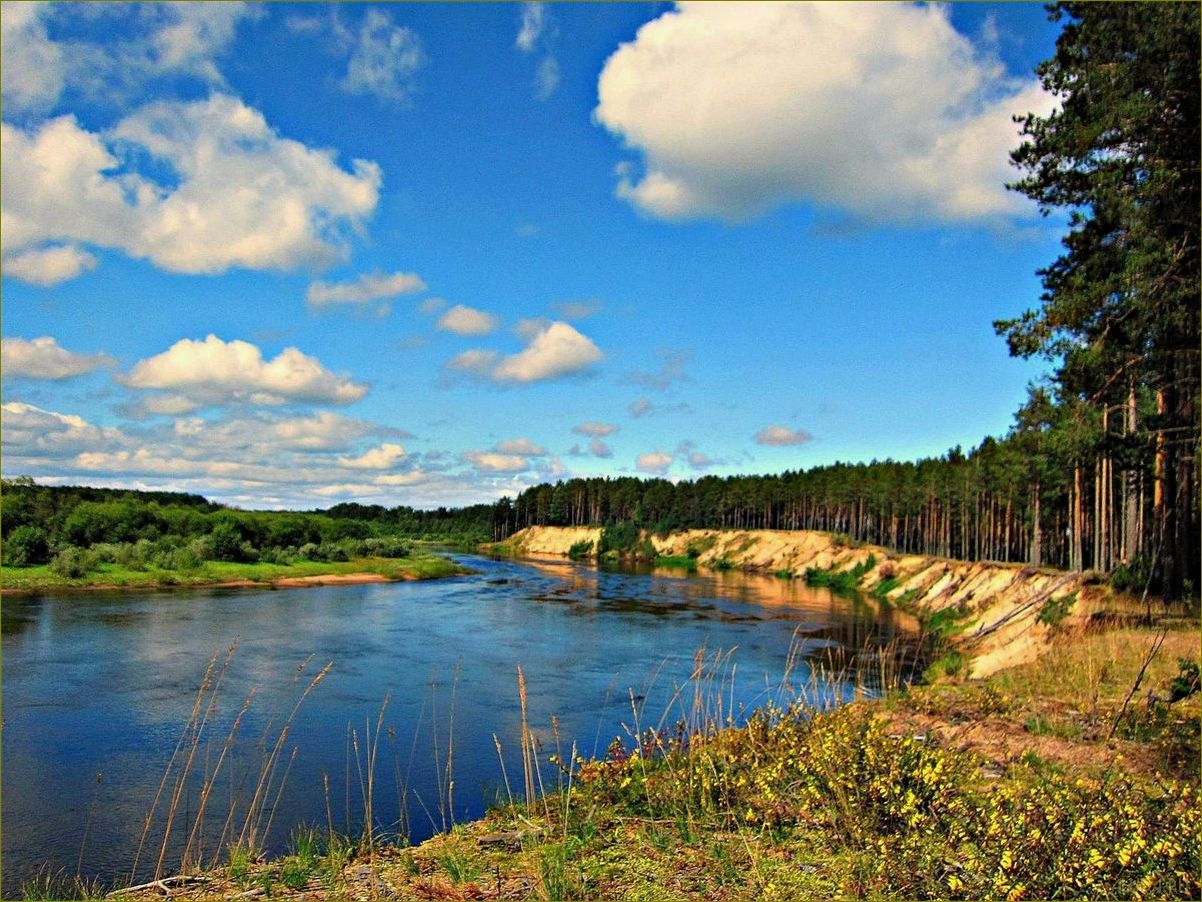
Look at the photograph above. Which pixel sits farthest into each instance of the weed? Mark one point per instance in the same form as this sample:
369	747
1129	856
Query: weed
460	866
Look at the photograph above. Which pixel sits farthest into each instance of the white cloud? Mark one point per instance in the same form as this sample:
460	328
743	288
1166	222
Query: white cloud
533	20
781	435
463	320
31	432
521	446
654	462
598	448
241	195
166	405
559	350
882	110
145	42
219	372
48	266
44	358
640	407
31	65
385	457
430	306
595	429
366	288
384	59
494	462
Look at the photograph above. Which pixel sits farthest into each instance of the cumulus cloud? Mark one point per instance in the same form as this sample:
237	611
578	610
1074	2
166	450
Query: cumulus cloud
385	457
430	306
31	65
654	462
238	194
366	288
521	446
214	372
463	320
48	266
384	59
494	462
150	41
781	435
882	111
31	432
558	350
595	429
45	358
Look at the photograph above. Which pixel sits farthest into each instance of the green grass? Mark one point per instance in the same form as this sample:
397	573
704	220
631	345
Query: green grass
418	566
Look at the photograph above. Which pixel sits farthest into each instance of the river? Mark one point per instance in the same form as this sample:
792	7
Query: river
98	688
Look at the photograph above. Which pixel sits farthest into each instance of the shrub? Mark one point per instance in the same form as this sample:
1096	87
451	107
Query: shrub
387	546
1054	610
72	562
580	550
26	546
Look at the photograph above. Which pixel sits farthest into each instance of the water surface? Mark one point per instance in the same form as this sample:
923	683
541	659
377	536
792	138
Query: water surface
97	688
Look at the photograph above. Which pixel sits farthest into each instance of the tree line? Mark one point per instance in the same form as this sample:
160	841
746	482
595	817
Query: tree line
80	525
1100	467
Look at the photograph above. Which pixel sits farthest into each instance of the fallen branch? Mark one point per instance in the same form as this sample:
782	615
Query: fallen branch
1152	652
163	885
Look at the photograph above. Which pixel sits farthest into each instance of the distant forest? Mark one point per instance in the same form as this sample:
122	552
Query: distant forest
1099	469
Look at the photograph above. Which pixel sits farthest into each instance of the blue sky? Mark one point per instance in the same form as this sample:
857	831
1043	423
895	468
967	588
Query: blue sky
286	255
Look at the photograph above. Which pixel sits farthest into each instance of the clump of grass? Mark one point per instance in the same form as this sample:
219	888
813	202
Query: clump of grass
55	884
459	865
784	574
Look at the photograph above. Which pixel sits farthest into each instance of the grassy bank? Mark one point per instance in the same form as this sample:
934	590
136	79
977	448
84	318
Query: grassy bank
1073	776
420	565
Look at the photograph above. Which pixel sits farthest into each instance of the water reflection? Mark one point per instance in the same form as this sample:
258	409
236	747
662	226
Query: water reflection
103	683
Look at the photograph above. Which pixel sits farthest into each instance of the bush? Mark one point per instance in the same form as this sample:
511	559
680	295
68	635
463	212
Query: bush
26	546
72	562
580	550
387	546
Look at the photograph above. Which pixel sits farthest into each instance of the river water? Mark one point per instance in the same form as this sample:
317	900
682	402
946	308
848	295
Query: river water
98	688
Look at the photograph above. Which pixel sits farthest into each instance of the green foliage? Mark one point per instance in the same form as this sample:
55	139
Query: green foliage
1053	611
72	562
1185	683
676	562
26	546
580	550
460	865
950	664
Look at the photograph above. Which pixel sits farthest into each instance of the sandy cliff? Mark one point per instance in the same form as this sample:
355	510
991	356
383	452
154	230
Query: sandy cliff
997	606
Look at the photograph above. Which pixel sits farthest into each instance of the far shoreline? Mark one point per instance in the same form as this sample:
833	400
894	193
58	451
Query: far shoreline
368	571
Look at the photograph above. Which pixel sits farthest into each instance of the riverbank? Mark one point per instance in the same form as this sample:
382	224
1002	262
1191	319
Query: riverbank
1075	775
221	574
992	615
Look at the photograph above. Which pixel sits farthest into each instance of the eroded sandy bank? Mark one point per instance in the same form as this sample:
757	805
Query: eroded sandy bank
997	606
